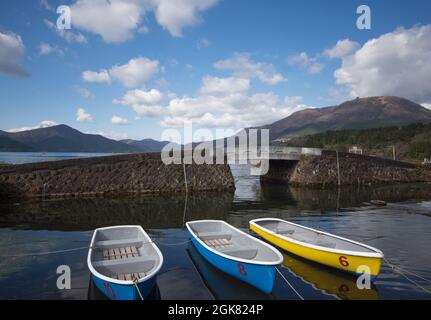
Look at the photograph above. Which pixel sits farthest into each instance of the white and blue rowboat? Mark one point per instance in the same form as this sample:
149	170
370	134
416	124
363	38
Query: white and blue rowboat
124	262
236	253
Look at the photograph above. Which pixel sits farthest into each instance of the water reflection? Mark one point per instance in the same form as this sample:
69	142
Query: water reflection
152	212
221	285
95	294
330	281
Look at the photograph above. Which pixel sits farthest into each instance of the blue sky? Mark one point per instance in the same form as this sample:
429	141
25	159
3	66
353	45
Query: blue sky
135	68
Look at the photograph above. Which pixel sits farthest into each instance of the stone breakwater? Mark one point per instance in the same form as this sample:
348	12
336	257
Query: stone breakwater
111	176
322	171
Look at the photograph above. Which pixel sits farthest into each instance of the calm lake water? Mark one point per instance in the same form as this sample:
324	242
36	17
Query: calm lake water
402	230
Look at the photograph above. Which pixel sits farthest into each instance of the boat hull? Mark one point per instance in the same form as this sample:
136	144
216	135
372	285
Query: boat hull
345	262
116	291
261	277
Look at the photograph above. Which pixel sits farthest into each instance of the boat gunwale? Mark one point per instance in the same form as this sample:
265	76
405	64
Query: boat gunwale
124	282
375	254
262	263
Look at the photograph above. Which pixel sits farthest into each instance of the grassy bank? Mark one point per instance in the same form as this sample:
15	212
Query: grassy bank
412	143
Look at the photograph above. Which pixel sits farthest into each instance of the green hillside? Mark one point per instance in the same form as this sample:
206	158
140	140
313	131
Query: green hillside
412	142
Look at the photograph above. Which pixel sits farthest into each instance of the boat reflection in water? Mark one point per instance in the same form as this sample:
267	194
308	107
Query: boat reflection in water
221	285
328	280
95	294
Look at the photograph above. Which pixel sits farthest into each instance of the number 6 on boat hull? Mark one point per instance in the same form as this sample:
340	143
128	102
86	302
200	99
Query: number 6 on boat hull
236	253
318	246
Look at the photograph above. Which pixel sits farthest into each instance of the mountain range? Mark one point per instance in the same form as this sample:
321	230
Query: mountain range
62	138
360	113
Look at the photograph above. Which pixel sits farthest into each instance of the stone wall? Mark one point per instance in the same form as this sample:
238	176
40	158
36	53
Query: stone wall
110	176
355	169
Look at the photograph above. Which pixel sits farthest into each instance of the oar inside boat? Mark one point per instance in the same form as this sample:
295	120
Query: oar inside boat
124	262
318	246
235	252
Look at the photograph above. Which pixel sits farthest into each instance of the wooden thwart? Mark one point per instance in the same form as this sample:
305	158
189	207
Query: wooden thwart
120	253
129	276
218	243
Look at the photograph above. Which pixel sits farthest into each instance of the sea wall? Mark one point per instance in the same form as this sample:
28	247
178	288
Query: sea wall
111	176
322	171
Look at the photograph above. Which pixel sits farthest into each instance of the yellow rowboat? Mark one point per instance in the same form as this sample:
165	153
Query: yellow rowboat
320	247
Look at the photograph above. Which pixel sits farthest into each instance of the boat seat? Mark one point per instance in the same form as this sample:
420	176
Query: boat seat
204	236
243	253
120	253
129	276
118	243
218	243
116	262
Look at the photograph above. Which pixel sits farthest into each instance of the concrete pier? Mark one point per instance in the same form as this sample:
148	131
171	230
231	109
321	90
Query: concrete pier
111	176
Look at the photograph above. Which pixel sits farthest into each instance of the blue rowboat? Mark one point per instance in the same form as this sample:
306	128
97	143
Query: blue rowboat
236	253
124	262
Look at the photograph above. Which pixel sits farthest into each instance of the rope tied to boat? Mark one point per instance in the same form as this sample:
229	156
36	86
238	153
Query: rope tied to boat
85	248
135	283
403	272
290	285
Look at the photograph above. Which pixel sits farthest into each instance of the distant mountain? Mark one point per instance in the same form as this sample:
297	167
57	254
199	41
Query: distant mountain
9	145
361	113
146	145
60	138
63	138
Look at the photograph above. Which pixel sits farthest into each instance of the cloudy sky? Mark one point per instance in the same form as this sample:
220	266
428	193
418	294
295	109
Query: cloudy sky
133	68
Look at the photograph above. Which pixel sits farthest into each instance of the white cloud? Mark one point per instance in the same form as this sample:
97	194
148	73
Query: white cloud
119	20
69	36
43	124
83	116
112	135
341	49
338	94
11	54
144	103
306	62
46	48
119	121
234	111
85	93
216	86
203	44
396	63
114	20
96	77
132	74
243	67
135	72
427	105
175	15
221	102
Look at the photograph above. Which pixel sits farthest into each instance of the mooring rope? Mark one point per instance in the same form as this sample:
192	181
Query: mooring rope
402	272
42	253
135	283
87	247
290	285
185	178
